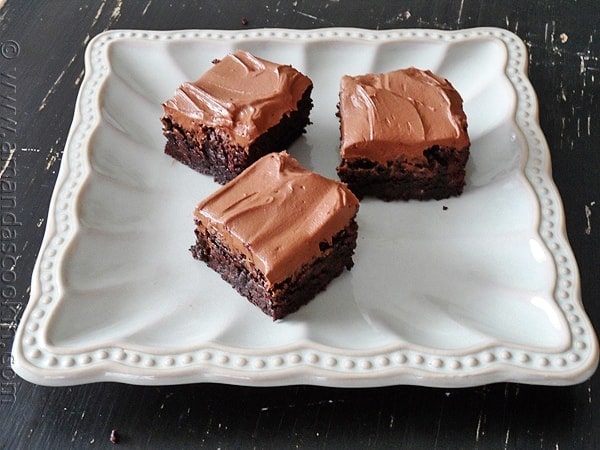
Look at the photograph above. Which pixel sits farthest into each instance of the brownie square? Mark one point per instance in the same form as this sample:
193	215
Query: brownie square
277	233
403	136
242	108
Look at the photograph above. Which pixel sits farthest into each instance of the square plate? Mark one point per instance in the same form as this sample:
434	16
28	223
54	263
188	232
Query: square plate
471	290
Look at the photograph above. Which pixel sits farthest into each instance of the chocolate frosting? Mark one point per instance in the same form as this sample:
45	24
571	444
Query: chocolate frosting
276	213
399	114
241	95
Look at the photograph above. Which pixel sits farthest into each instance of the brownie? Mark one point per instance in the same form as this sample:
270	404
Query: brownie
277	233
242	108
403	136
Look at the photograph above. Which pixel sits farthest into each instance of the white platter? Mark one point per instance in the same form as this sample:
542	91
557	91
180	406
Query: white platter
471	290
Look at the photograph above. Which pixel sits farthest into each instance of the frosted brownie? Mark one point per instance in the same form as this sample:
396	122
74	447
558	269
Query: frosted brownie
242	108
403	135
277	233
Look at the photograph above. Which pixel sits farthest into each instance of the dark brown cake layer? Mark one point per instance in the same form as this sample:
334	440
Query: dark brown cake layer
213	153
442	176
288	296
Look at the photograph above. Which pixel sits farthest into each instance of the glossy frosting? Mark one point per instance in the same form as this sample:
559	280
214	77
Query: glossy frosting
276	213
241	95
399	114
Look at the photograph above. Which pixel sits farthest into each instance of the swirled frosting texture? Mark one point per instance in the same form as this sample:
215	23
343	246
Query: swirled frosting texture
241	94
399	114
276	213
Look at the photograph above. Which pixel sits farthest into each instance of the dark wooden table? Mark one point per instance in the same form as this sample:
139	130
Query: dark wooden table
41	66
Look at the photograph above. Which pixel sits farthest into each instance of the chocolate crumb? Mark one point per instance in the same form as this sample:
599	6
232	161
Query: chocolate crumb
244	21
215	61
114	436
444	207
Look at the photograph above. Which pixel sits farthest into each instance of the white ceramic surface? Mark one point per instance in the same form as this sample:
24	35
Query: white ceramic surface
470	290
